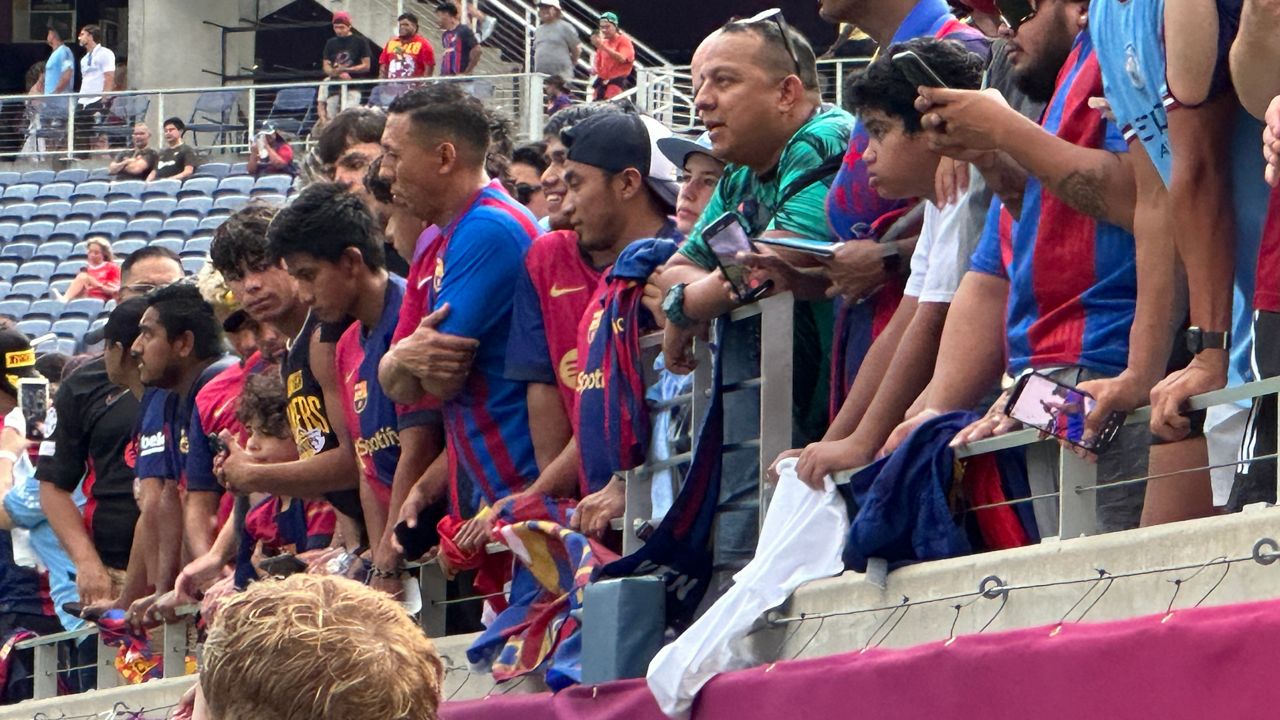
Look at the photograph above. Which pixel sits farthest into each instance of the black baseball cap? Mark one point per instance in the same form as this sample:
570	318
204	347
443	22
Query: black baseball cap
18	359
618	141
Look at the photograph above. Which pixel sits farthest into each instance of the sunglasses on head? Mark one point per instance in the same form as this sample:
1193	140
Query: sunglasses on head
1016	12
774	15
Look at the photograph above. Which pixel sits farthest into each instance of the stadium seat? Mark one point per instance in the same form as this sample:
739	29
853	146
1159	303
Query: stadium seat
15	308
54	192
156	207
192	265
198	244
148	225
60	284
184	225
213	170
72	227
169	243
193	207
56	250
24	192
234	185
8	230
95	189
52	211
5	287
197	186
71	327
20	212
29	288
274	200
126	110
215	112
68	266
39	177
211	222
110	227
87	210
240	168
35	270
8	178
66	346
278	184
71	175
101	173
124	208
34	327
292	111
382	95
83	307
49	307
20	251
97	324
166	188
126	188
231	202
127	246
8	269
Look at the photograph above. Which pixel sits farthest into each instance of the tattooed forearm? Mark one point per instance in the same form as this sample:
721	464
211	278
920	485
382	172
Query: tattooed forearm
1084	190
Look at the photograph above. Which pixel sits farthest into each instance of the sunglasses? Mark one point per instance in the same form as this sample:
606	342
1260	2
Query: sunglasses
1016	12
525	192
774	15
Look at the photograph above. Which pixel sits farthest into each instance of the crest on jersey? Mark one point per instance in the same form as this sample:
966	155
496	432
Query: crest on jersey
1132	67
360	395
439	276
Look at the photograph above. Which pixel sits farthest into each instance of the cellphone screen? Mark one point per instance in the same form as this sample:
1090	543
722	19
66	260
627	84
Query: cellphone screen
1056	409
726	238
33	398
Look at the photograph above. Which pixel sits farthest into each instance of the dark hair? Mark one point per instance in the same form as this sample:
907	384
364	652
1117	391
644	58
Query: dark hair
176	122
351	126
148	252
447	8
51	364
240	242
122	324
180	309
778	56
410	17
263	404
60	29
574	114
380	189
884	87
94	31
557	82
532	154
445	108
323	221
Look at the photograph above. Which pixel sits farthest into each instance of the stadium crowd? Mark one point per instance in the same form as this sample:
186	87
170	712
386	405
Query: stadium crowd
435	344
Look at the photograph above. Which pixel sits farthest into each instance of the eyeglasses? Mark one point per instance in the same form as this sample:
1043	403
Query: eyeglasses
526	191
1016	12
774	15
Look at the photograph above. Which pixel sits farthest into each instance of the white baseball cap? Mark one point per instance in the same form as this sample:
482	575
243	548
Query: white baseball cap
550	3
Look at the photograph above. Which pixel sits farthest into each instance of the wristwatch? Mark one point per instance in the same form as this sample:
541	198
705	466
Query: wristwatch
891	258
1199	340
673	306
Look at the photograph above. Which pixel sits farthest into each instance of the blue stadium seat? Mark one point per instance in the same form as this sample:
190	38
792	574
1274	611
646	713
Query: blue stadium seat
34	232
127	188
52	211
15	308
127	246
184	225
278	184
34	328
21	212
69	267
273	200
234	185
292	111
66	346
193	206
231	202
108	226
87	210
157	207
215	112
197	186
64	237
29	288
198	244
60	284
36	269
8	178
95	189
124	207
148	225
192	265
8	269
20	251
73	327
240	168
211	222
24	192
55	191
71	175
213	170
83	307
97	324
49	307
165	188
5	287
99	174
72	227
170	243
56	250
39	177
8	230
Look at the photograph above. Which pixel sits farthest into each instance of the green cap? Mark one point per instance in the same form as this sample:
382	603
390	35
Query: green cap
610	16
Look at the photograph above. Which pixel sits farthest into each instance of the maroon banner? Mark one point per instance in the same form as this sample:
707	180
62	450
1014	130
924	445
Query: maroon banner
1209	662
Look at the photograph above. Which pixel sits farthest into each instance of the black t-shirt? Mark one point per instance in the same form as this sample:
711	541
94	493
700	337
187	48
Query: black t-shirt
347	51
151	156
308	417
95	421
22	589
173	160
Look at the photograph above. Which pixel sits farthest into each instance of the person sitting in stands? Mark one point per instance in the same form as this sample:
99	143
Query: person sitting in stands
271	154
100	278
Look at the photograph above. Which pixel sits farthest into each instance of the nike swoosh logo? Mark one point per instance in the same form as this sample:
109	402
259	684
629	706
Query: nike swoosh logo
423	282
559	291
351	375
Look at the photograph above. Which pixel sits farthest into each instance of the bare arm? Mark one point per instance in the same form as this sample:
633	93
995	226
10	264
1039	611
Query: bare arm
91	575
971	351
169	524
551	431
1255	55
419	448
873	372
109	81
64	82
200	516
473	59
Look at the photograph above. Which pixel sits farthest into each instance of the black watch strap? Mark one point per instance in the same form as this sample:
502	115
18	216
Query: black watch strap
1199	340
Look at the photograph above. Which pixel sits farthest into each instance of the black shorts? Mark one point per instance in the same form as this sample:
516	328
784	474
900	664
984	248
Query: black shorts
1256	481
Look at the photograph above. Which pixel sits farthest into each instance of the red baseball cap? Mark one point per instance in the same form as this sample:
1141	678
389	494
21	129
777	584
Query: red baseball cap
342	16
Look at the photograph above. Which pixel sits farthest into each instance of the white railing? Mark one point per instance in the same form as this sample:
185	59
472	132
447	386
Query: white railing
229	116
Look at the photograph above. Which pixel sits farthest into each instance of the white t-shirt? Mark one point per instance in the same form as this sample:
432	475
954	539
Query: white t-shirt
942	253
93	68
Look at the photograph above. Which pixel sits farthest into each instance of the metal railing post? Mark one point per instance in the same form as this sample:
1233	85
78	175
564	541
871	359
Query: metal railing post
1077	502
533	106
175	649
639	506
776	360
528	40
108	677
434	591
45	674
71	127
251	129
